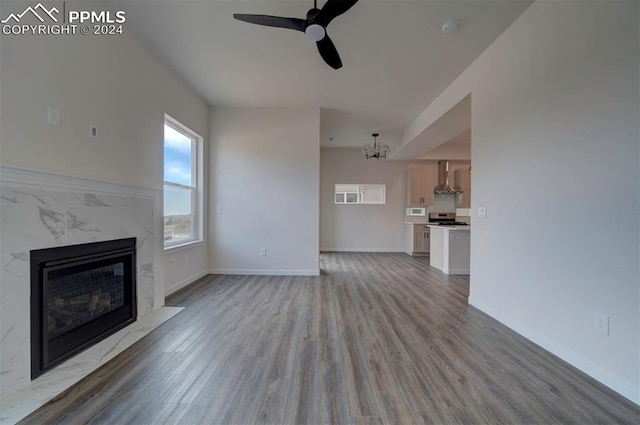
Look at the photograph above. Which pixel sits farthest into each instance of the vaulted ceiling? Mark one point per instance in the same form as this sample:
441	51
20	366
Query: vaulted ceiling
396	58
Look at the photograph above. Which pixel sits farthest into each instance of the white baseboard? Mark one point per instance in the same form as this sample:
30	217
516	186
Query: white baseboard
182	284
361	250
622	387
268	272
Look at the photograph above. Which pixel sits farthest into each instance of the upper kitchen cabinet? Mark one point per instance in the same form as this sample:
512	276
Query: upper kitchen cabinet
462	178
421	180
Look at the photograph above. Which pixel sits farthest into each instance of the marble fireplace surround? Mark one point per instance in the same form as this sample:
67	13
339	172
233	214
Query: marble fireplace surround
43	210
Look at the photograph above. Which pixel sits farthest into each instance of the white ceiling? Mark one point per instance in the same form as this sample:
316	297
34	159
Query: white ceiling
396	58
458	148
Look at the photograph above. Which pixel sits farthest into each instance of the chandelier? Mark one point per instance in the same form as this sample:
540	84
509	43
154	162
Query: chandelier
377	151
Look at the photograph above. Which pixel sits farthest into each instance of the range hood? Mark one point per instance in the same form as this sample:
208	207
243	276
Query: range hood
443	179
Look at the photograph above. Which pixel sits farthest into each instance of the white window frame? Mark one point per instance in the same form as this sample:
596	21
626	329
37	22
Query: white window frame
197	178
343	190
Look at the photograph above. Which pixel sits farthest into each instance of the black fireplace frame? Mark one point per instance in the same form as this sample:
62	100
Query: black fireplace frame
45	357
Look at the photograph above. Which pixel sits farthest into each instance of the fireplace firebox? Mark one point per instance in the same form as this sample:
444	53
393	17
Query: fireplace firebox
80	294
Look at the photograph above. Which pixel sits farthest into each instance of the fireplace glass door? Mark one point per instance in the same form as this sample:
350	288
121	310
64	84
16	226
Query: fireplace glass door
80	299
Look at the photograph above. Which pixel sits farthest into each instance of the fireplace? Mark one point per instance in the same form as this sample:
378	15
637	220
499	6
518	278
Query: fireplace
80	294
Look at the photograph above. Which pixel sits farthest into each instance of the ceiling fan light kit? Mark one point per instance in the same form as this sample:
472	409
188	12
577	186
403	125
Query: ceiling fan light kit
315	32
314	26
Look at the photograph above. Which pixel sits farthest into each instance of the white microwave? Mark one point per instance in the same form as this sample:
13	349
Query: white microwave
416	212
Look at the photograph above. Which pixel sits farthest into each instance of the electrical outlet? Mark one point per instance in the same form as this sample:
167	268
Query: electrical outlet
601	323
482	212
218	209
263	251
173	261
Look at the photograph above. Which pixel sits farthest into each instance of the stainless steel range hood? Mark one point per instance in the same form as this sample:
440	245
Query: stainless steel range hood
443	179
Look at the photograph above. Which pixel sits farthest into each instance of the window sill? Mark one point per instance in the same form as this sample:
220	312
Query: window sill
183	246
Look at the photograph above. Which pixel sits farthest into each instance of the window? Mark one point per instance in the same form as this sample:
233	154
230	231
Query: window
360	193
182	184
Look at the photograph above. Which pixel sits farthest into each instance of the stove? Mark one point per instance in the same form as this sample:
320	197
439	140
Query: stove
445	219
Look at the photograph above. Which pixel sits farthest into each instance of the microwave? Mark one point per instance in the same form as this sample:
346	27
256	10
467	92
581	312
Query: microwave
416	212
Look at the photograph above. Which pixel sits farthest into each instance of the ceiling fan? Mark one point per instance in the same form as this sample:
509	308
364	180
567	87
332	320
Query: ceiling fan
315	26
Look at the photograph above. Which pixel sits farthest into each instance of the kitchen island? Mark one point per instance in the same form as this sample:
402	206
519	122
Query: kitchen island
450	246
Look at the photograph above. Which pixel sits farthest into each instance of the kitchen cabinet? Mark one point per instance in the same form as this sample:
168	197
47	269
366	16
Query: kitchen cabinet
421	180
421	242
462	178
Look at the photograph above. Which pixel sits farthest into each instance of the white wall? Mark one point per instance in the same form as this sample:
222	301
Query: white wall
185	265
113	82
264	176
361	227
555	153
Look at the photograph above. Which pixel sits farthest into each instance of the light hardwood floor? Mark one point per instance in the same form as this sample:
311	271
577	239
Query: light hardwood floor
376	339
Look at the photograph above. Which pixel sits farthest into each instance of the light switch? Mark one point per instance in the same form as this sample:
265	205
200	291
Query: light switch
482	212
53	116
601	323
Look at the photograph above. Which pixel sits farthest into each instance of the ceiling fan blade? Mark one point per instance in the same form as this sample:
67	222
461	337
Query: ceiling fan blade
329	53
272	21
334	8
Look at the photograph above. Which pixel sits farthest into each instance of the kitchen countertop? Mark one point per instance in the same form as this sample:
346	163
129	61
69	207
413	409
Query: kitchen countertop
452	227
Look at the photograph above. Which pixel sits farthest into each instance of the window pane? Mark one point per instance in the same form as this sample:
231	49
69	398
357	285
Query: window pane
340	197
373	194
346	188
177	157
352	197
178	215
